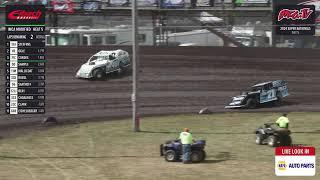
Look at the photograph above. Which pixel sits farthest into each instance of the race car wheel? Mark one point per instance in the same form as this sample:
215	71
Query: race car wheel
278	102
204	24
272	141
121	69
196	156
259	139
98	74
170	156
251	103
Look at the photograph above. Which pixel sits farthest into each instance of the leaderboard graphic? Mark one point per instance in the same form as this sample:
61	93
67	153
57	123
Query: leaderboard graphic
25	59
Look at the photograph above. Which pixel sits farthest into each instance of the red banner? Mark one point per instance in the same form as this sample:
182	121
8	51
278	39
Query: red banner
295	151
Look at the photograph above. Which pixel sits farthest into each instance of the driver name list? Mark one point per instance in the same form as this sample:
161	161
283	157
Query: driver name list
25	59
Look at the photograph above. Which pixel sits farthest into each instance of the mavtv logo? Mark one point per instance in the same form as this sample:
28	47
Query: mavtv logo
294	14
24	15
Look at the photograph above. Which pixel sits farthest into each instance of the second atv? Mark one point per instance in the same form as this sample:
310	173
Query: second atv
273	136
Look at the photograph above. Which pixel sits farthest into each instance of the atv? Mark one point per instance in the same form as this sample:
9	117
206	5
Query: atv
172	151
273	136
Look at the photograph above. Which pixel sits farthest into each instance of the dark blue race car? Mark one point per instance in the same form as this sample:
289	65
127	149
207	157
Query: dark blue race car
266	92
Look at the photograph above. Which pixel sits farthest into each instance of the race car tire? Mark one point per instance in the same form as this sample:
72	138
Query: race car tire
259	139
98	74
272	141
170	156
204	24
251	103
278	102
122	68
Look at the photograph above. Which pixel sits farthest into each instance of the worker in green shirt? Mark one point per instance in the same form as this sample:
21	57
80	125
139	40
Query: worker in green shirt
283	121
186	141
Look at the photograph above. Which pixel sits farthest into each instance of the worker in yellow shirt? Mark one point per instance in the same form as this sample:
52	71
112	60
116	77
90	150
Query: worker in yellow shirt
186	141
283	121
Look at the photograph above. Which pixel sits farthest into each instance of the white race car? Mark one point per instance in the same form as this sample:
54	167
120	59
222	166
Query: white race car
103	63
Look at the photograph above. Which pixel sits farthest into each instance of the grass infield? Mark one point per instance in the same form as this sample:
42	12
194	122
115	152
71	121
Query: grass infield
110	150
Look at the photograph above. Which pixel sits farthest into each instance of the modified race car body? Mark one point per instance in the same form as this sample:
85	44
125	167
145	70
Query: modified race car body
104	62
272	91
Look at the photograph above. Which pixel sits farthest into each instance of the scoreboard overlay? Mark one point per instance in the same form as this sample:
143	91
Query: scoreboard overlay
25	59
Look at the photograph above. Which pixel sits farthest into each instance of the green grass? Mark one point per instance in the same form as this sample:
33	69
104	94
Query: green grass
110	150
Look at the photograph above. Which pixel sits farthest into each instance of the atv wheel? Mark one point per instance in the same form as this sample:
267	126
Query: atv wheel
204	155
251	103
259	139
272	141
170	156
196	156
289	141
98	74
286	141
161	150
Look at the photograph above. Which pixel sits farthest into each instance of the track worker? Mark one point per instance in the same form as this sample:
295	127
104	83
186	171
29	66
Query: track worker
186	141
283	121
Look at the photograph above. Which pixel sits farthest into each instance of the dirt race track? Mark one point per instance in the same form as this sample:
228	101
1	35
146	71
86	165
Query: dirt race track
175	80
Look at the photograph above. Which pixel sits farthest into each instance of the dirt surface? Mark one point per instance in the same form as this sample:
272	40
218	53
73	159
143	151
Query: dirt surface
172	81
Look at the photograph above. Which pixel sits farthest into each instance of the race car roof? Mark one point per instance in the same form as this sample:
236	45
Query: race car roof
106	53
261	84
274	83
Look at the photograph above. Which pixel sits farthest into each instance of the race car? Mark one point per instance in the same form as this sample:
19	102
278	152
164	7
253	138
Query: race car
103	63
266	92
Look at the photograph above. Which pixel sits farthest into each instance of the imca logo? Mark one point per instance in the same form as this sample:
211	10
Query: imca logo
294	14
282	165
23	14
